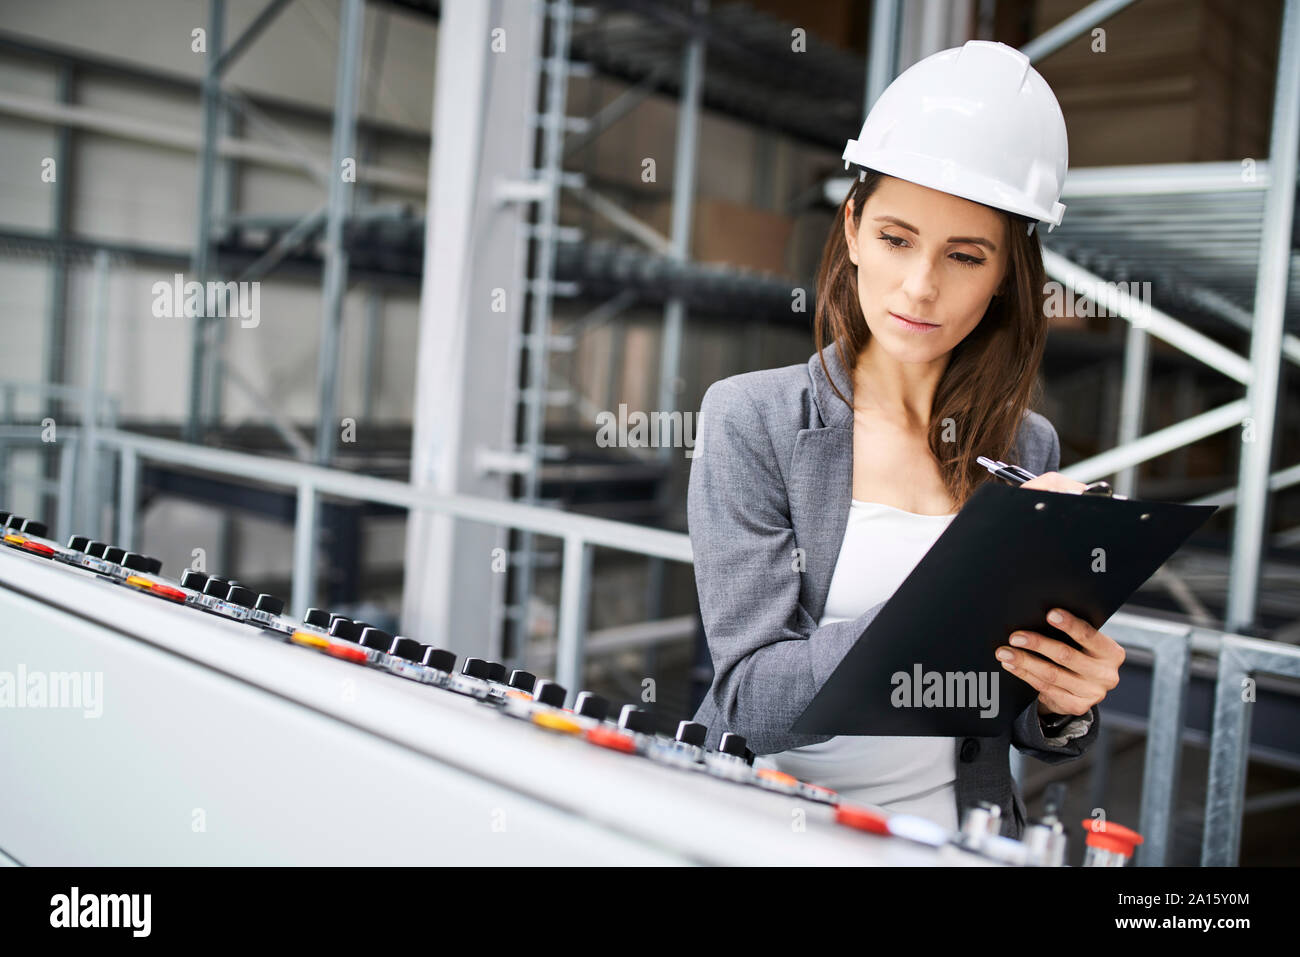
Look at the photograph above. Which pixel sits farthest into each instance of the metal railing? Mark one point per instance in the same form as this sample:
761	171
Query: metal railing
580	533
1240	659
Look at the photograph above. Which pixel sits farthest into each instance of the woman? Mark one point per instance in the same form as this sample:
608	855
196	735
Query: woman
816	488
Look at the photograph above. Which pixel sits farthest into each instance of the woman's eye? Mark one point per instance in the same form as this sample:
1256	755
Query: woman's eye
962	259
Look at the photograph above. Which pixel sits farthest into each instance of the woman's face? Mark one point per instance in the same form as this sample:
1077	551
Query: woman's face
929	256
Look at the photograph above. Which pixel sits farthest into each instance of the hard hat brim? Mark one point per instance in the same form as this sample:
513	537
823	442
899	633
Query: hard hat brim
946	177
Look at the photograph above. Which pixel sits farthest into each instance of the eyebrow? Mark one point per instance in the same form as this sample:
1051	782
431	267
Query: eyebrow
976	240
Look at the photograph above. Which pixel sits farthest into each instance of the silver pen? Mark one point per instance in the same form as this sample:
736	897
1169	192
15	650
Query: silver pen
1010	473
1018	476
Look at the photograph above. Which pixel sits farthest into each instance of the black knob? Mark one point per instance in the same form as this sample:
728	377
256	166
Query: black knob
114	554
347	629
241	596
375	638
317	617
216	588
496	672
223	579
137	563
78	543
407	648
96	549
153	565
633	718
591	705
548	692
438	658
475	668
523	680
692	732
193	580
14	521
270	604
4	518
732	744
34	528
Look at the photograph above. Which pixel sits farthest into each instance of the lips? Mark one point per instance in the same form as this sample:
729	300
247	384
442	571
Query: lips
922	322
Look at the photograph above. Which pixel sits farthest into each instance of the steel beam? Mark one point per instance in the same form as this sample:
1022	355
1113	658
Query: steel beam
1131	406
882	57
1266	336
200	265
1072	26
351	25
251	33
468	358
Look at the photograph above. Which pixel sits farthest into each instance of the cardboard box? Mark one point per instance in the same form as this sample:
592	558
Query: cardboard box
839	22
1179	81
731	233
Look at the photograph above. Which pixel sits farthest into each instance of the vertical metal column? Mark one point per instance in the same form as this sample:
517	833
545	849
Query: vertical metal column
1136	367
1160	771
575	581
1266	333
550	170
225	200
882	57
199	264
65	518
303	589
57	305
471	312
670	351
128	482
688	127
351	25
89	480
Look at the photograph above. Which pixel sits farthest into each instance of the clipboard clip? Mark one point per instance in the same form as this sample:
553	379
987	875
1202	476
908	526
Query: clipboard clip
1102	488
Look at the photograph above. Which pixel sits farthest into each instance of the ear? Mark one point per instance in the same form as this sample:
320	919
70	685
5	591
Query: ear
850	233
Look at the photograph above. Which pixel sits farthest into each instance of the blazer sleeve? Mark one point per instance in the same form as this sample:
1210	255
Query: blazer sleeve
769	656
1031	733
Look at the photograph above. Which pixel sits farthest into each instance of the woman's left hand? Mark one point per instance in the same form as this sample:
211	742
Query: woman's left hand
1072	681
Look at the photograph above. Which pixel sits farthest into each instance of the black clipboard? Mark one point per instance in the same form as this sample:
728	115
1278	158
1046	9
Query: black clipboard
1008	557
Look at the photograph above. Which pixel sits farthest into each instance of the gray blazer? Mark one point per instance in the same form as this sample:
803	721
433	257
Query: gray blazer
772	472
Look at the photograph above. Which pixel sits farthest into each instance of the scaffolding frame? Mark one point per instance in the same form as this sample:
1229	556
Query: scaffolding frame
1260	373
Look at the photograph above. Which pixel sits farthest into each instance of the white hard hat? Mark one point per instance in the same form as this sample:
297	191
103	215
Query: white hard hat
977	121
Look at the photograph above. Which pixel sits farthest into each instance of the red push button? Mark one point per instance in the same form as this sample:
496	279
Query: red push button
39	549
615	740
166	591
862	818
347	653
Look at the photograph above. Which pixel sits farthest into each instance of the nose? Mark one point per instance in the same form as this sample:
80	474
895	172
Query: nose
920	283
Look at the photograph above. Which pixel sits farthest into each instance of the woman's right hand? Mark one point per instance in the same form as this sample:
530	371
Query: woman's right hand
1055	482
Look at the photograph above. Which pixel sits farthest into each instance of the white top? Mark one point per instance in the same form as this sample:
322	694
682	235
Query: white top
915	775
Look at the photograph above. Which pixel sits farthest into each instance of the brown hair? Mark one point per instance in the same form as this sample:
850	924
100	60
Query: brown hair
992	375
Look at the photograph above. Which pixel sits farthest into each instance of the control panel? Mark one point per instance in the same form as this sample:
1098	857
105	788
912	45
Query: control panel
601	767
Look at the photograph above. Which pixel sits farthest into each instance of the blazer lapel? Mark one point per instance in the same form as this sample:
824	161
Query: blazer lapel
820	484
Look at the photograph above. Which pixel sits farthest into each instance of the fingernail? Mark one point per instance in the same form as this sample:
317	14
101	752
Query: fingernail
1017	639
1005	655
1055	617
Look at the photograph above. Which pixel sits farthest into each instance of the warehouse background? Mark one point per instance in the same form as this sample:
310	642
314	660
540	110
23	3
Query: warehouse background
113	94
